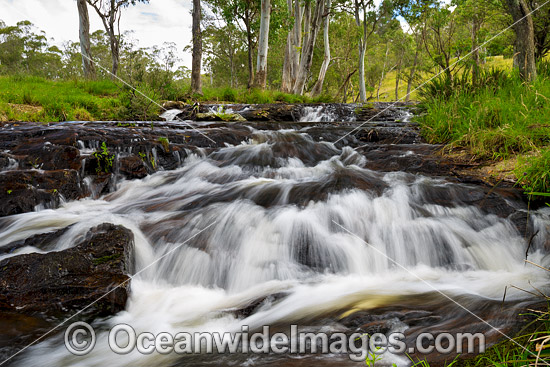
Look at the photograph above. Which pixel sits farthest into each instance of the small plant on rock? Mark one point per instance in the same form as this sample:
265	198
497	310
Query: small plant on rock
165	143
104	159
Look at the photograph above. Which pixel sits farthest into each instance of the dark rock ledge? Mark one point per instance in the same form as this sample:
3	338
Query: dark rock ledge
39	290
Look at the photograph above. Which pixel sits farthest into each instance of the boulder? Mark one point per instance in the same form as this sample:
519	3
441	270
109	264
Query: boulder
57	284
37	291
219	116
21	191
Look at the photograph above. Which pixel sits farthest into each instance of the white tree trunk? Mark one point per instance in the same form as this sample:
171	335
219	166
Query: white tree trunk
84	33
286	79
362	86
307	26
261	64
383	72
308	47
295	54
293	43
196	82
318	87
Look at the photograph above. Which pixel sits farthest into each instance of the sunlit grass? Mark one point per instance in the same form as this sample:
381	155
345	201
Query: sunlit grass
59	100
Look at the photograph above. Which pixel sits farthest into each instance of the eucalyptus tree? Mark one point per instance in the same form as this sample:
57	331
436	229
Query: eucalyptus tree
366	18
318	87
84	34
441	26
196	87
23	49
263	43
541	23
222	46
525	38
293	45
243	14
110	11
312	22
474	14
415	15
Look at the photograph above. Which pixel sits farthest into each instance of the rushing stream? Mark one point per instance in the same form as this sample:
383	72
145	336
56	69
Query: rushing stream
298	231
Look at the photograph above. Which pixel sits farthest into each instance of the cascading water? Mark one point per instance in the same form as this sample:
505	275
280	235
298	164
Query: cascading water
278	210
328	113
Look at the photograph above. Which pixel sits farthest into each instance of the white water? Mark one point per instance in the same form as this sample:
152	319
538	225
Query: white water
326	113
252	251
170	115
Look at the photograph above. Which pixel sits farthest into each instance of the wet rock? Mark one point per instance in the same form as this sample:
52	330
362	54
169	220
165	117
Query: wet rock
132	167
39	290
56	284
4	161
21	191
170	105
43	241
47	156
389	135
170	158
499	202
271	112
219	116
259	112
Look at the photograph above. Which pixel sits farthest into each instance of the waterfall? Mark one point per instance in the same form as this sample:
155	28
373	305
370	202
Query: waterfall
286	216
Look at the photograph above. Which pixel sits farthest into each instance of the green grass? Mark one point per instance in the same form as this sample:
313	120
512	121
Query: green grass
35	99
501	118
533	172
62	100
387	89
492	124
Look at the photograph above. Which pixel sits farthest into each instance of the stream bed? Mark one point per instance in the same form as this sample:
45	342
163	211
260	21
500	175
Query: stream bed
311	222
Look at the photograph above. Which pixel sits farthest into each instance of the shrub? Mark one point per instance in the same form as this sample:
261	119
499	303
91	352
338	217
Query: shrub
229	95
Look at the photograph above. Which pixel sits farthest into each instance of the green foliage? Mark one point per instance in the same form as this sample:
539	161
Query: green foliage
140	106
105	259
229	95
444	86
543	69
425	363
104	159
521	350
165	143
533	172
496	119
